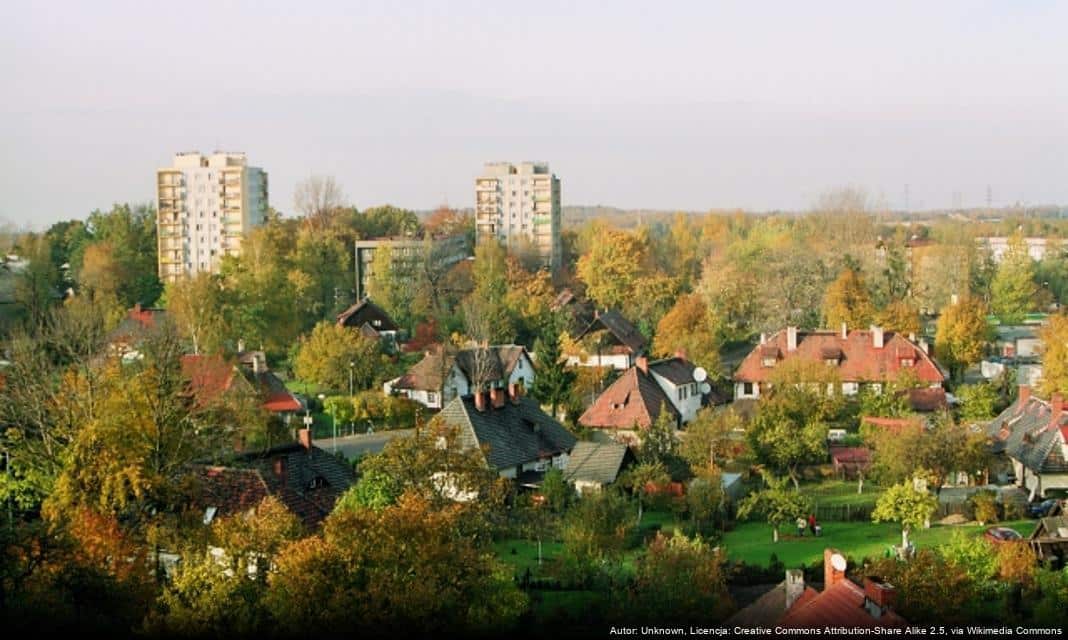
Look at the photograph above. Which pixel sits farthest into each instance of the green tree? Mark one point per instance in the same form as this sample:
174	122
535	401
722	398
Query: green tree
710	438
904	504
643	478
789	430
1013	290
558	493
596	527
252	540
776	502
374	490
686	572
203	598
324	357
901	316
961	335
659	442
552	385
929	587
36	286
847	300
705	499
196	306
613	269
978	401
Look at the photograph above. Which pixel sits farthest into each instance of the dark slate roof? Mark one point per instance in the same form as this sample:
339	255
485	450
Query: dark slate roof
1049	527
307	481
677	370
595	462
366	312
516	433
765	610
1026	431
427	374
621	328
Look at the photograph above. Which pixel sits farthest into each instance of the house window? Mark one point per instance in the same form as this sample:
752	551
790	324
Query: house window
747	388
833	362
906	362
377	323
431	397
768	361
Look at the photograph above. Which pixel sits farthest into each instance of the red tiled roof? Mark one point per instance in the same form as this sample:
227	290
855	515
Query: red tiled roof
850	455
860	361
230	490
841	604
209	376
633	400
892	423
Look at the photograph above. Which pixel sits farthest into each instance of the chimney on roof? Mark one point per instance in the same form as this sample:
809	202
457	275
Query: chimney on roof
680	354
912	337
642	363
137	307
954	299
1056	406
514	391
241	345
304	435
791	338
834	566
845	331
256	363
497	397
877	337
879	597
763	338
480	401
795	586
926	347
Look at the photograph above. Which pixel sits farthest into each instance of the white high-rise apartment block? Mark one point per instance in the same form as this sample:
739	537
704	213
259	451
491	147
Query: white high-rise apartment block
205	204
519	205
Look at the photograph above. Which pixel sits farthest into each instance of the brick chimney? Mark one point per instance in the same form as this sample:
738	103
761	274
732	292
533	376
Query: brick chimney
845	331
514	392
137	308
256	363
240	345
304	436
497	397
926	347
878	339
763	338
642	363
480	401
791	338
1056	406
795	586
832	575
879	597
680	354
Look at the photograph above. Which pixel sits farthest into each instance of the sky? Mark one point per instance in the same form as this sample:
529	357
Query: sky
688	105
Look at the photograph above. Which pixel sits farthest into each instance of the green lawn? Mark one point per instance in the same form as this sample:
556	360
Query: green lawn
751	542
839	493
554	605
526	555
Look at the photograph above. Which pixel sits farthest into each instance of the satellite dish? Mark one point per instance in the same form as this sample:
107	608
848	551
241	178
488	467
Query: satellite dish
838	562
705	387
700	375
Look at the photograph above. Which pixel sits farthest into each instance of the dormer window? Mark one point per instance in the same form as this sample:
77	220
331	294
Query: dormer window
769	355
907	362
832	356
768	362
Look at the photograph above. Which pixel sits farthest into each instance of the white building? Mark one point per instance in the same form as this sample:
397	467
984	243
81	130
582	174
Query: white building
206	204
519	205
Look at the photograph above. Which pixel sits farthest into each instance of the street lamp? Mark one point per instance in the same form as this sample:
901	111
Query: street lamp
333	416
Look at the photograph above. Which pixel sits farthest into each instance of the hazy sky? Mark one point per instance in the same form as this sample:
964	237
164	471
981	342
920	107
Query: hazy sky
689	105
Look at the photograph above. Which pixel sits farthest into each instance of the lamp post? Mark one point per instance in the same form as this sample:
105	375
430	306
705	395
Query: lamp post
333	416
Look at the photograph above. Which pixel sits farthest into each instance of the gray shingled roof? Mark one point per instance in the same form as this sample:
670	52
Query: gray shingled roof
677	370
598	462
427	374
1023	432
625	332
514	434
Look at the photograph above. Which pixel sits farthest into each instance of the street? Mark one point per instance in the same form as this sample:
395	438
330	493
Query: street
360	444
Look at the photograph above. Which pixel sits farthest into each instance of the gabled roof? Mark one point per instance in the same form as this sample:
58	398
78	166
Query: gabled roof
676	370
598	462
1028	431
840	605
366	312
1049	527
307	481
429	373
633	400
212	376
928	399
137	322
625	333
766	609
516	433
860	360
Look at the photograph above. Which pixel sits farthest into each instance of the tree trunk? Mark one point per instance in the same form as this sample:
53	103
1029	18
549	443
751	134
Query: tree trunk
860	483
793	478
775	534
904	538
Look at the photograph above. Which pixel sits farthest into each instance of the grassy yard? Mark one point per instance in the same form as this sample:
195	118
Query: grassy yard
839	493
526	555
751	542
556	605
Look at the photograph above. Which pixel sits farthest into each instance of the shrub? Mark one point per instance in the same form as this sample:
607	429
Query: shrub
984	505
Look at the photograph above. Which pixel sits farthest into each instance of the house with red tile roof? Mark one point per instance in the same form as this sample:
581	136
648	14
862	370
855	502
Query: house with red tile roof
213	377
124	340
635	400
445	373
860	358
842	603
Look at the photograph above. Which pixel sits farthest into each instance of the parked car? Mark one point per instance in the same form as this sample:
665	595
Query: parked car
1042	509
999	535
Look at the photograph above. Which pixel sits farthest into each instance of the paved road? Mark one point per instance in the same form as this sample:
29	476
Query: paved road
359	444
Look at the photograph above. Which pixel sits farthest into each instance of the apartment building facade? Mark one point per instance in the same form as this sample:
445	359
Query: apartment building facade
439	253
519	205
206	204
